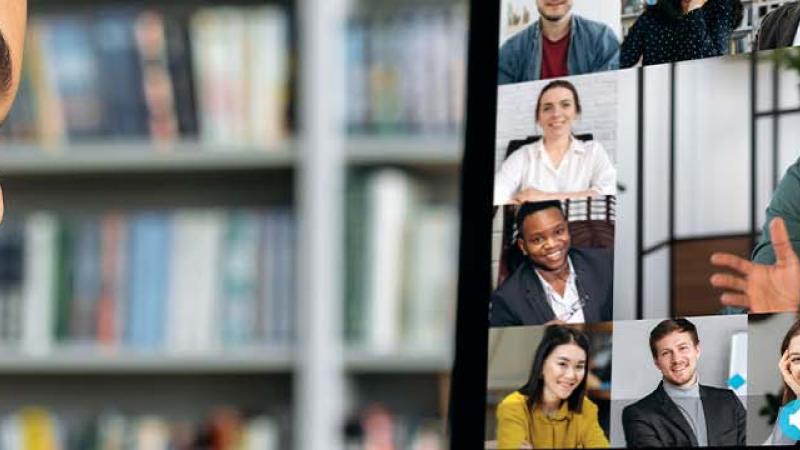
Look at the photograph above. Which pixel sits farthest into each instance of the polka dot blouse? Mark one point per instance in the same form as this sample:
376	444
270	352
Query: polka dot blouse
701	33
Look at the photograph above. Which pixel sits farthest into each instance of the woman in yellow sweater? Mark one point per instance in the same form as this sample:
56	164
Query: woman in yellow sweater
551	410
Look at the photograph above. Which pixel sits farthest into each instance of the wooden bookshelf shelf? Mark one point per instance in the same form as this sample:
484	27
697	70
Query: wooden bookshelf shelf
415	151
141	363
142	157
133	157
359	362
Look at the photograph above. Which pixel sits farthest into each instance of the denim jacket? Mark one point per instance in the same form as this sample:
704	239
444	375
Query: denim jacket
593	47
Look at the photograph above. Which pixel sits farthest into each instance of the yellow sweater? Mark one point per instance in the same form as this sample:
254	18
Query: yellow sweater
566	429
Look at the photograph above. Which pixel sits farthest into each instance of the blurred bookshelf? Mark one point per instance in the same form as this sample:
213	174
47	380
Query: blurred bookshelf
19	159
398	363
63	362
99	156
141	114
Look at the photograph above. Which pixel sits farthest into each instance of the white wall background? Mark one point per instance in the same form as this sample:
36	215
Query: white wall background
633	374
625	242
606	11
713	148
516	111
712	162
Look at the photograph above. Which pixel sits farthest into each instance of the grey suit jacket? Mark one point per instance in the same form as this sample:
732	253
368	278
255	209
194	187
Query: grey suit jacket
521	299
655	421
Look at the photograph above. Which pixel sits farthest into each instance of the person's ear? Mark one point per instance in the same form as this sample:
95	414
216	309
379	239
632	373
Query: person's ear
521	245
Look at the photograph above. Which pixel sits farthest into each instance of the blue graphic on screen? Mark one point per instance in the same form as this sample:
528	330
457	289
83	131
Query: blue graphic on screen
789	419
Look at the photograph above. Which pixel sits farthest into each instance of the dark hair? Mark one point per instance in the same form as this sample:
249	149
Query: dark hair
738	13
558	84
666	10
5	67
529	208
794	330
669	326
555	335
669	10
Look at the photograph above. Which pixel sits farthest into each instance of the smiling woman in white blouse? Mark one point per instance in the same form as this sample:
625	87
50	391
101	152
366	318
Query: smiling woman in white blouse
558	166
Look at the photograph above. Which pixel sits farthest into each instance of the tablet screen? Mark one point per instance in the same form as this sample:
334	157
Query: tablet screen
634	263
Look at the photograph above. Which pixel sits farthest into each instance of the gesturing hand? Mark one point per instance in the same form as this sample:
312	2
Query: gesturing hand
788	378
762	288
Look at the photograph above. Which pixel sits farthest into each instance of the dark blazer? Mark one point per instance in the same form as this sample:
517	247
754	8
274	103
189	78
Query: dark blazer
779	27
521	299
655	420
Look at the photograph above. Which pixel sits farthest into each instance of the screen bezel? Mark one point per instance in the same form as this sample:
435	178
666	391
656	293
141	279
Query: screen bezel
468	385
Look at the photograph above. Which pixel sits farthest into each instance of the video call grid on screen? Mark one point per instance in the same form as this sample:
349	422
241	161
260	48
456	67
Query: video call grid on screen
680	139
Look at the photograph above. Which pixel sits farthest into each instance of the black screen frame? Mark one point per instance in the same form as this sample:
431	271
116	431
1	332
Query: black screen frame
468	385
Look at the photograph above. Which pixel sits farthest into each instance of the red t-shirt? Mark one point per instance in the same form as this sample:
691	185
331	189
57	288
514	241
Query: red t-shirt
554	57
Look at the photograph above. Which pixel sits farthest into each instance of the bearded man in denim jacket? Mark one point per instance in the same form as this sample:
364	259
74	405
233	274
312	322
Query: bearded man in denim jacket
558	44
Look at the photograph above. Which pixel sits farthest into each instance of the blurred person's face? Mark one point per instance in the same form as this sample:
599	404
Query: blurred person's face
545	239
794	357
676	357
557	112
563	371
13	17
554	10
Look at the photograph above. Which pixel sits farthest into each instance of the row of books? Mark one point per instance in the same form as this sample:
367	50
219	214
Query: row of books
183	281
219	75
402	259
406	73
38	428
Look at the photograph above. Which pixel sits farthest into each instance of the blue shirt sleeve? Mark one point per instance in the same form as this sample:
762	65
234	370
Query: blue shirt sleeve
608	51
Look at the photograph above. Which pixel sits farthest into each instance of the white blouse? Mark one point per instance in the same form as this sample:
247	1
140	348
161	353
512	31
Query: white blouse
585	166
567	308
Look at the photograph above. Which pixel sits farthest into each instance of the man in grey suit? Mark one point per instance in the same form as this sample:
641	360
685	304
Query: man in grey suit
681	412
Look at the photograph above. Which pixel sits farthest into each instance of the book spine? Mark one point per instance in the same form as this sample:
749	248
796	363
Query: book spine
157	83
